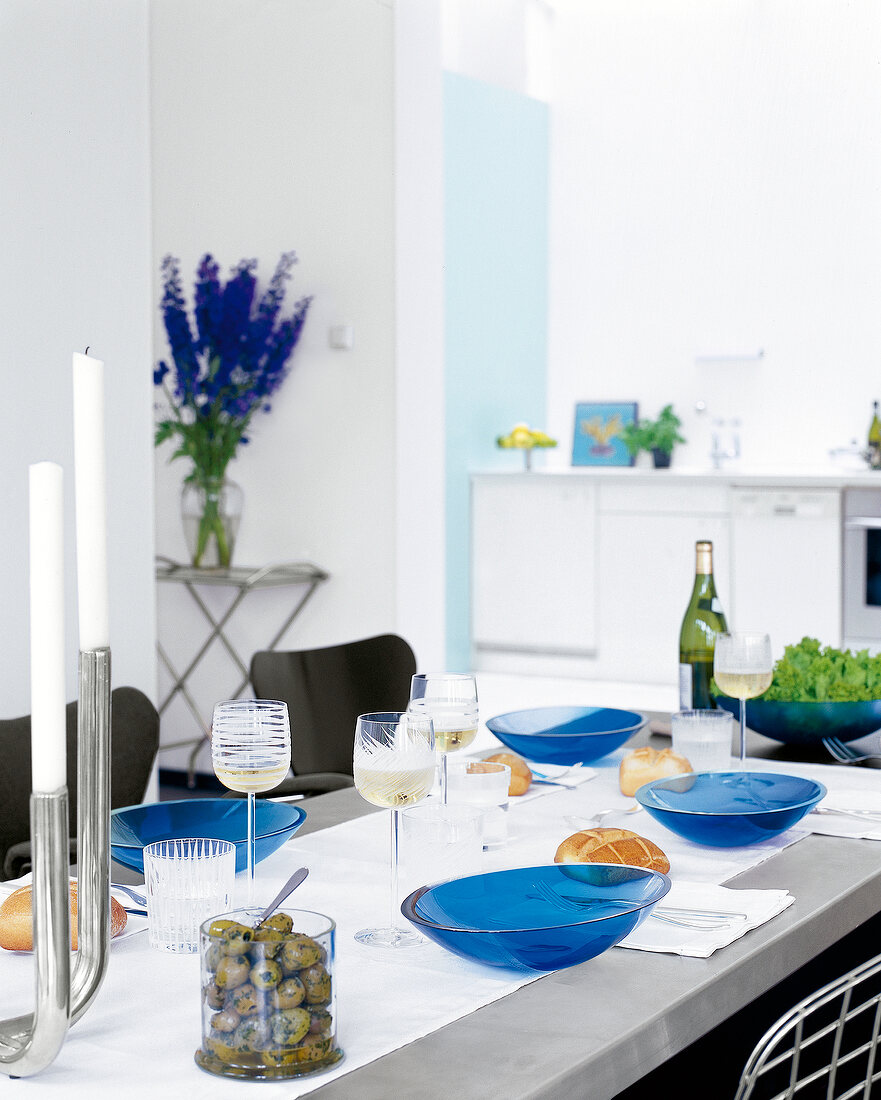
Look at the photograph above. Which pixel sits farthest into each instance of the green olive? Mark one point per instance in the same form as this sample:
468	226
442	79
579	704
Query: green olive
299	951
222	1050
278	1057
232	971
214	995
216	927
266	974
280	922
313	1048
317	982
252	1034
289	1026
269	941
322	1022
290	993
225	1021
213	955
235	939
245	1000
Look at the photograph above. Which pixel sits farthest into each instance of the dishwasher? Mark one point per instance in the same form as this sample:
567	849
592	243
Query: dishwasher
786	564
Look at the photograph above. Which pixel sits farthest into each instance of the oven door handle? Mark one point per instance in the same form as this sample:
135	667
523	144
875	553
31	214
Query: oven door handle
863	523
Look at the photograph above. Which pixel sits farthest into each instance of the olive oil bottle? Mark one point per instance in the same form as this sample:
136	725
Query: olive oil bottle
703	620
875	439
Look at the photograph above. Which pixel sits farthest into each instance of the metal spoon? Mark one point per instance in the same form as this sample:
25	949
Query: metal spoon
292	883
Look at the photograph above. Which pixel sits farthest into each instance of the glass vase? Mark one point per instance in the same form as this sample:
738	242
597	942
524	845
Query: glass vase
211	511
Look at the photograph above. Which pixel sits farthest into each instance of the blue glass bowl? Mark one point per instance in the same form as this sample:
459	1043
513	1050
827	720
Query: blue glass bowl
220	818
565	735
807	723
536	918
730	809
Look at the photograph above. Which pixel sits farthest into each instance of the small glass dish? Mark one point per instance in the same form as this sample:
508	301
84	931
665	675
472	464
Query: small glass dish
268	995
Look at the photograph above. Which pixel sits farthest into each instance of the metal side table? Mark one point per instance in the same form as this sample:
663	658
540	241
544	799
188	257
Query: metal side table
244	580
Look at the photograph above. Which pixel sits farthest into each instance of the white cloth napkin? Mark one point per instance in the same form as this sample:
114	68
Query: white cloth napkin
758	906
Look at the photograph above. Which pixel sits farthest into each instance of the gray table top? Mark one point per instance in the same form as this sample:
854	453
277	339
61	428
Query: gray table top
592	1030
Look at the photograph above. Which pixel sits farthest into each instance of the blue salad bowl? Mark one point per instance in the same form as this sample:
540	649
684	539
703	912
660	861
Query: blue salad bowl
807	723
730	809
219	818
536	918
565	735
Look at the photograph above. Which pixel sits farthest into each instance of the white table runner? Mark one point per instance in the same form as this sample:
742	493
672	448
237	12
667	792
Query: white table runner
140	1035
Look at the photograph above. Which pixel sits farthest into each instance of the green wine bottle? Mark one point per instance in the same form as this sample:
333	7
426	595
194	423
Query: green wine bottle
703	620
875	438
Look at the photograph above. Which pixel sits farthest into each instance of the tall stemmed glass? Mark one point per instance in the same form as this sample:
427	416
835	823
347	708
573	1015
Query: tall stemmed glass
251	751
743	668
393	767
450	699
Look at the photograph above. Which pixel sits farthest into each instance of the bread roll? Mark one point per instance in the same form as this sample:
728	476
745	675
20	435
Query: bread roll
612	846
521	776
16	924
642	765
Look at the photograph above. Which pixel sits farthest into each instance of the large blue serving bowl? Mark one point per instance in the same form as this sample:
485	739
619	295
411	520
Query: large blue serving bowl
536	918
807	723
730	809
565	735
219	818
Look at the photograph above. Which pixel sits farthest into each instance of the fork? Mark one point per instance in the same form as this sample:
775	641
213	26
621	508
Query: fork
590	820
137	898
846	754
698	919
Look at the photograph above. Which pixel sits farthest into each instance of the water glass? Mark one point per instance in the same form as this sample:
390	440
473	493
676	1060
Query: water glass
187	882
483	783
440	842
703	737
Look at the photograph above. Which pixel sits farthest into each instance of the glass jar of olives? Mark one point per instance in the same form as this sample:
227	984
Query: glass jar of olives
268	996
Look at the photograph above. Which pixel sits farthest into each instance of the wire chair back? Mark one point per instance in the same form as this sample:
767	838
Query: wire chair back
824	1047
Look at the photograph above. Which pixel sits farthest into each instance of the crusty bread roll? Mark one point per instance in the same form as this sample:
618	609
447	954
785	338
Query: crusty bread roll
16	925
612	846
521	776
643	765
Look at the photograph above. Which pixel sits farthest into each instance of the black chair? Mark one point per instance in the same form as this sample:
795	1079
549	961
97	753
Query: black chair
134	740
325	690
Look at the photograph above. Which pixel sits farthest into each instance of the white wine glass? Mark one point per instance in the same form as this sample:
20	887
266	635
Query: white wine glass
743	667
393	766
250	752
450	699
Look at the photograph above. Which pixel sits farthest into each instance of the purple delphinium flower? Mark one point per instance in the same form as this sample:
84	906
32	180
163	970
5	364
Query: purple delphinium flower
239	356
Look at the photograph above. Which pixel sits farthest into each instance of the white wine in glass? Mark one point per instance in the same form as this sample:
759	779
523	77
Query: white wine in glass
450	698
251	752
393	765
743	668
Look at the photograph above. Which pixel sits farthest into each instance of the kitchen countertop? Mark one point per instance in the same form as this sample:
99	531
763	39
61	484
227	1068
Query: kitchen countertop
798	477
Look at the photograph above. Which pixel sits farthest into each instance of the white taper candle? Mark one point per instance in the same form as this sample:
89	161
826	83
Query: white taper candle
91	505
48	691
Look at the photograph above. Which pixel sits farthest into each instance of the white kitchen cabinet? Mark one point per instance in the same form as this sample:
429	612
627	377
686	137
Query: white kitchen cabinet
533	584
646	573
786	564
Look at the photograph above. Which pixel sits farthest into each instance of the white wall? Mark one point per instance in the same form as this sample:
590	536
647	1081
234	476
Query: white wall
273	129
74	222
715	188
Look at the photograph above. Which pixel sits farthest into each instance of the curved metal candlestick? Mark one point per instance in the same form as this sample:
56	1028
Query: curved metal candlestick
30	1043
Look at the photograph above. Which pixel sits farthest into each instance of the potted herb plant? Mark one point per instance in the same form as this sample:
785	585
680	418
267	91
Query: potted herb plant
657	436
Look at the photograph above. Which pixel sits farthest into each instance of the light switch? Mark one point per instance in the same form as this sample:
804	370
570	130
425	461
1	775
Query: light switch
342	337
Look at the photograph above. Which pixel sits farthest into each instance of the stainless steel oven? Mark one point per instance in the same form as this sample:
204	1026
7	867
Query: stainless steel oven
861	572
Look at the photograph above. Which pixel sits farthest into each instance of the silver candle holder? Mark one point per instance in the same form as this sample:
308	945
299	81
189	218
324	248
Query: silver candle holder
30	1043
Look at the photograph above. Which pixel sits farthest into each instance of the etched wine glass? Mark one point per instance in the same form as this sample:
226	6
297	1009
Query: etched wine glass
743	667
393	767
250	752
450	699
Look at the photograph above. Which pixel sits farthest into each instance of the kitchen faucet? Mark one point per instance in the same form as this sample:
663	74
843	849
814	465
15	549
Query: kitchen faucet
718	453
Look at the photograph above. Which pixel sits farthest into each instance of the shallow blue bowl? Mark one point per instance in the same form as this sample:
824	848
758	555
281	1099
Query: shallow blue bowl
807	723
565	735
536	918
219	818
730	809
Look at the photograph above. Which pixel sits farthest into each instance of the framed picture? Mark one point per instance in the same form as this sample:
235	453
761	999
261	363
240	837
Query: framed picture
598	427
